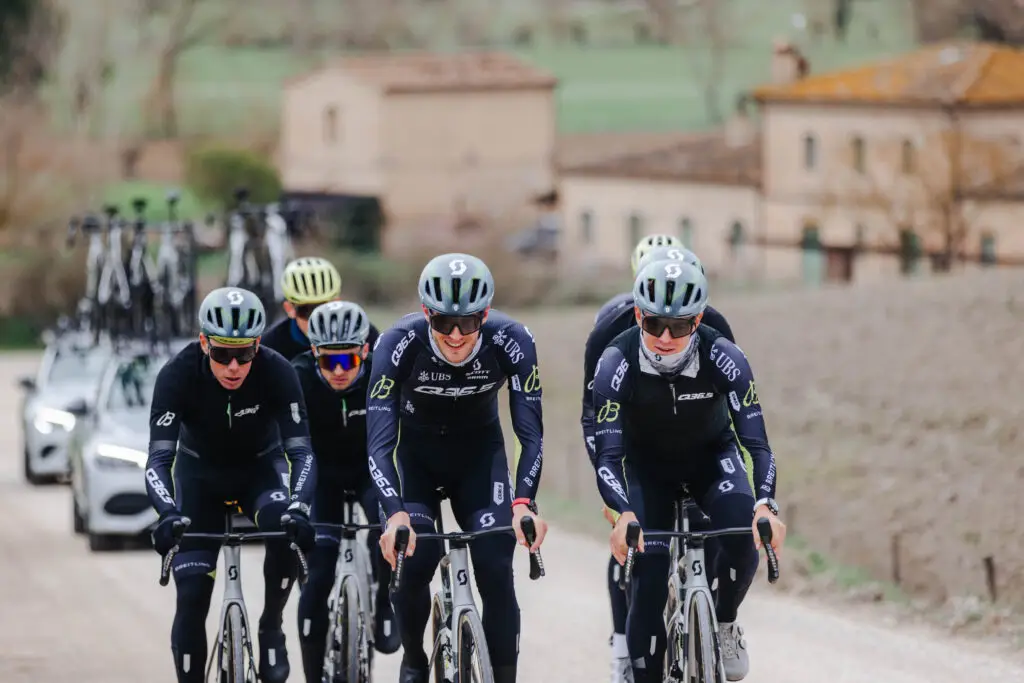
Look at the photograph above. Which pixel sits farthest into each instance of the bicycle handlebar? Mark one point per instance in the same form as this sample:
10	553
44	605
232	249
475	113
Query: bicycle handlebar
764	530
402	542
178	530
347	527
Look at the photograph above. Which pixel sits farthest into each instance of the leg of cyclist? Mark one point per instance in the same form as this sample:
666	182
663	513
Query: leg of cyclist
266	501
385	631
729	501
481	496
621	668
652	496
194	568
328	507
412	600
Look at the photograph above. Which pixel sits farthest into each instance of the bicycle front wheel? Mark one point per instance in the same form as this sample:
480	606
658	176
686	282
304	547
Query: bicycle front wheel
347	644
703	664
474	661
232	666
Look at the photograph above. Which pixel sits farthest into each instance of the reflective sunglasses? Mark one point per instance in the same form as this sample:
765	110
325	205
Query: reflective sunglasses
656	325
446	324
304	310
345	361
223	355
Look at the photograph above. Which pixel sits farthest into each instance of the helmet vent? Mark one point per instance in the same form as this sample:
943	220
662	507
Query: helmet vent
670	290
650	289
236	317
252	318
456	288
220	317
437	289
688	296
474	289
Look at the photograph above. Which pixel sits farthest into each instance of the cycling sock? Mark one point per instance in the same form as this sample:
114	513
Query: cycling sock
413	611
620	650
188	632
617	596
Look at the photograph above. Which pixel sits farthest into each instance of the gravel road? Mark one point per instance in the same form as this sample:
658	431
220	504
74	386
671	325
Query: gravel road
69	615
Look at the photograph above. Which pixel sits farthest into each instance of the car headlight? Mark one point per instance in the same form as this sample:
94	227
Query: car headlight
47	419
111	456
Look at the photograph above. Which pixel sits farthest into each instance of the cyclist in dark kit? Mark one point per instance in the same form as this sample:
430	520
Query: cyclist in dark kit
334	376
665	392
229	418
433	422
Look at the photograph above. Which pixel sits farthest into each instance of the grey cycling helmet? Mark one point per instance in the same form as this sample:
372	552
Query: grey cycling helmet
456	284
673	253
648	243
671	288
232	313
338	324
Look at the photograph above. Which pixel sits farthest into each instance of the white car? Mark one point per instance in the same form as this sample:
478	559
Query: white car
108	452
65	383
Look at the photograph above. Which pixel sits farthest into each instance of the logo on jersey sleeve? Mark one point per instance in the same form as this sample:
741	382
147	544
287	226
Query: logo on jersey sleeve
382	389
750	398
165	420
296	417
609	412
532	383
400	347
620	374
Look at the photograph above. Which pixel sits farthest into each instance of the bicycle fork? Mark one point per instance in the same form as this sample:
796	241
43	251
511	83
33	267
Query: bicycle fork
232	597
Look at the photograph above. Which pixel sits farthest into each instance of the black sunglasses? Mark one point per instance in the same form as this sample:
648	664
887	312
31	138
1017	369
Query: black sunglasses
446	324
223	355
656	325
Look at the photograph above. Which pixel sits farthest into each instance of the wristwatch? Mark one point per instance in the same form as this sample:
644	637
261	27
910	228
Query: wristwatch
531	505
768	503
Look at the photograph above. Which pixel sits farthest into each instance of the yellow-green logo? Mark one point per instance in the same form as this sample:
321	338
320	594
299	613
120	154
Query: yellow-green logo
382	389
750	398
532	383
608	412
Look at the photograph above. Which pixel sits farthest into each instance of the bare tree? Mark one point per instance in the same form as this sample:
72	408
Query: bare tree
707	26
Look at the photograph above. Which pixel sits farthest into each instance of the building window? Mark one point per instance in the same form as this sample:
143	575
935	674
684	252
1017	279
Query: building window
331	125
908	159
736	238
857	151
860	236
910	251
810	240
988	249
587	227
810	152
636	229
686	232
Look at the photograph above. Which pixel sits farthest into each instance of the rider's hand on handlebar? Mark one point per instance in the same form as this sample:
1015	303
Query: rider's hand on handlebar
778	529
387	539
303	533
163	534
520	511
618	540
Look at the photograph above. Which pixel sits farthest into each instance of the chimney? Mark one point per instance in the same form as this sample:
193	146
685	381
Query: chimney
740	128
788	64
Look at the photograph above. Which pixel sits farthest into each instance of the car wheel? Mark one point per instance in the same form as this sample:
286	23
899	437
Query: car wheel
78	521
30	476
104	543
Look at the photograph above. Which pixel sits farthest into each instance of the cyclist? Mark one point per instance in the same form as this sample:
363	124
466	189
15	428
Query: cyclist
664	393
306	283
224	411
436	377
617	316
334	377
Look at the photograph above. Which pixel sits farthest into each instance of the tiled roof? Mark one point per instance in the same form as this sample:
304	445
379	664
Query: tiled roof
954	73
429	71
579	149
705	158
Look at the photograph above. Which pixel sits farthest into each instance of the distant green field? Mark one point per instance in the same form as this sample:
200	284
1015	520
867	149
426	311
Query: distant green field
609	84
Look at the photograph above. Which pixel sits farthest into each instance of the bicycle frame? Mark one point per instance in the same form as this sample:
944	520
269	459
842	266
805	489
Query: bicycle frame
456	598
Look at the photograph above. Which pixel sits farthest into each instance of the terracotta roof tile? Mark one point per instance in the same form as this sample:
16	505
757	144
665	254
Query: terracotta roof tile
429	71
956	72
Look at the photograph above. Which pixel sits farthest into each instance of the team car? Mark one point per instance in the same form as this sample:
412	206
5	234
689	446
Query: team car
65	382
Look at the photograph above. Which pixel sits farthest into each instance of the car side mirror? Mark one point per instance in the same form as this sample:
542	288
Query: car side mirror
27	383
79	408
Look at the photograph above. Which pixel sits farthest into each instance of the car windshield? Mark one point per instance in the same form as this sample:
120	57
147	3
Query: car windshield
133	384
72	365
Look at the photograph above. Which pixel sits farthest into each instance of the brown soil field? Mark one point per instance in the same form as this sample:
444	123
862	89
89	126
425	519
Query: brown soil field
895	411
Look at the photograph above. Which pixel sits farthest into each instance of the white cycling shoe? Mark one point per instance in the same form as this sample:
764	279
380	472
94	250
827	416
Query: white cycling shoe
734	651
622	670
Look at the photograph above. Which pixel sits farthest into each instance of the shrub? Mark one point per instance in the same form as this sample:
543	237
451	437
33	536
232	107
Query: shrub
213	173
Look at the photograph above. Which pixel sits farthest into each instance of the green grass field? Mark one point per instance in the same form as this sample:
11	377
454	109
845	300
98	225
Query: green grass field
611	84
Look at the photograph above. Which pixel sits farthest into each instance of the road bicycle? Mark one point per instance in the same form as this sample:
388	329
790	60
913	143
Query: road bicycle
460	652
176	272
250	261
349	652
233	650
107	294
142	275
694	653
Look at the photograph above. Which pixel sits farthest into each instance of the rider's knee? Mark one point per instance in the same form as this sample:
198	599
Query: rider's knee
194	593
492	566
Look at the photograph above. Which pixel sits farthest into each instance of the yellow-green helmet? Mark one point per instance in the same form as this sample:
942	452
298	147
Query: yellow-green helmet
310	280
648	243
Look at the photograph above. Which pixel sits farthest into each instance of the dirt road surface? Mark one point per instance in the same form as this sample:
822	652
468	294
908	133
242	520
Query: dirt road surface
69	615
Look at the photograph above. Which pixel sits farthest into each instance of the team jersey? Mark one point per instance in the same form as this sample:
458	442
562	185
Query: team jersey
337	419
657	422
411	385
614	318
287	339
192	415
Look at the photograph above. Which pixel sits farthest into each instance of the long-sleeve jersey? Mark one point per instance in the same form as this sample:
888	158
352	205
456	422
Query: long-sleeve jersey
337	420
412	385
287	339
614	318
660	422
194	416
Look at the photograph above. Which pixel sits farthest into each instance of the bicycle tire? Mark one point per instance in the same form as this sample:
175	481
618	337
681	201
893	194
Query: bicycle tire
472	649
675	643
233	648
437	622
703	662
353	631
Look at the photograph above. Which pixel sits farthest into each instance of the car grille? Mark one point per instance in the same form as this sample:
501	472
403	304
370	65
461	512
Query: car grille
127	504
